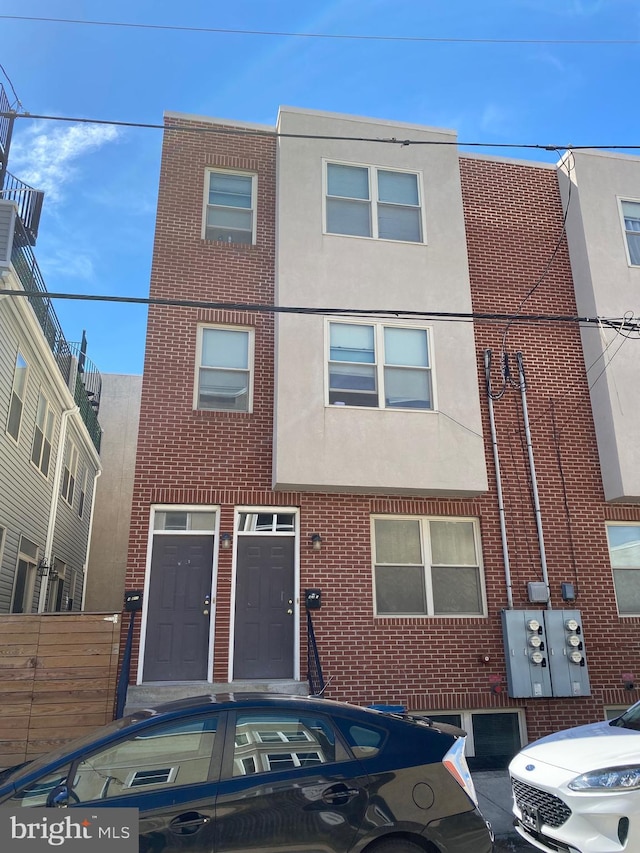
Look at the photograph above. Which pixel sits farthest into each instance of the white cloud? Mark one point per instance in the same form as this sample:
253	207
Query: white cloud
47	159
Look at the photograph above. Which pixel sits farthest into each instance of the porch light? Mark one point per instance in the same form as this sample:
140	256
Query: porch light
225	541
45	570
316	541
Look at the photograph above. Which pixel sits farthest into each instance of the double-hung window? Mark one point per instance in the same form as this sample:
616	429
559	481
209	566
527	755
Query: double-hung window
230	207
368	201
43	435
427	567
631	218
379	366
624	552
70	474
224	368
18	392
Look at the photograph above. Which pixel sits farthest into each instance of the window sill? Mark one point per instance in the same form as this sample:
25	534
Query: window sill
380	408
377	239
222	244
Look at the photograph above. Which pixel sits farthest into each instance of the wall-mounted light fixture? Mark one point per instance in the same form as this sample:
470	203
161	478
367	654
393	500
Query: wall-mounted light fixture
316	541
225	541
45	570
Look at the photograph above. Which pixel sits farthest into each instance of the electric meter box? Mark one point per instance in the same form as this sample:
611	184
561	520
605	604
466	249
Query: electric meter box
525	651
544	653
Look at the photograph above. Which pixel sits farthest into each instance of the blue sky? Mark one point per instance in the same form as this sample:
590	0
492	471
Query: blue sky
96	233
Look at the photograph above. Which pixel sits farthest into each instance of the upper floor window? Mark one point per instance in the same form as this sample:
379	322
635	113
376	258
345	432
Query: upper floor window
624	551
225	356
379	366
367	201
18	392
427	567
83	491
230	207
70	473
43	435
631	216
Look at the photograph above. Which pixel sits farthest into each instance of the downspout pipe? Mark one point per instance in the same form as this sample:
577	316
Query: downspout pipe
91	517
496	464
53	508
534	481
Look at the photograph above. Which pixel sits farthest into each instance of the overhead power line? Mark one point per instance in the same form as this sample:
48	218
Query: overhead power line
330	36
263	308
247	131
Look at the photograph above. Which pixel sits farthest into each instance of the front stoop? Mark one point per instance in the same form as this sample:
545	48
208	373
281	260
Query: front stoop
156	693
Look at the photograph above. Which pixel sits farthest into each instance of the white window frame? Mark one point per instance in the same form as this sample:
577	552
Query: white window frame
46	430
425	549
254	204
373	201
614	569
379	364
16	396
625	233
250	332
70	475
30	559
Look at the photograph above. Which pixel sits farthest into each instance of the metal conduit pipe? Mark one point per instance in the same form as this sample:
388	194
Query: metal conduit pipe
496	463
534	481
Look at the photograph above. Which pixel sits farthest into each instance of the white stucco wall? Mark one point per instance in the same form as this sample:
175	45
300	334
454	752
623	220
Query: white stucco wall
606	286
357	449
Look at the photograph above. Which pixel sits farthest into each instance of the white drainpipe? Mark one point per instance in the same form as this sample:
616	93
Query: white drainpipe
53	509
86	559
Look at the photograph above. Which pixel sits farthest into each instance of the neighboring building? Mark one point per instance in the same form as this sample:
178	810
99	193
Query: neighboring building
49	432
468	560
119	417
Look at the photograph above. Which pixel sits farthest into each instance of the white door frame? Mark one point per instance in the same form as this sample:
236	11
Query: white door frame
295	511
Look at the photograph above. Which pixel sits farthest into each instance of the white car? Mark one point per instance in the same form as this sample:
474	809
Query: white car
578	791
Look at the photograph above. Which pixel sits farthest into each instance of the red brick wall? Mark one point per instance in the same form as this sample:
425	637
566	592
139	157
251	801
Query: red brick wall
514	227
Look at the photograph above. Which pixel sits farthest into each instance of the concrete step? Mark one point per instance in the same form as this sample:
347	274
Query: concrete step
156	693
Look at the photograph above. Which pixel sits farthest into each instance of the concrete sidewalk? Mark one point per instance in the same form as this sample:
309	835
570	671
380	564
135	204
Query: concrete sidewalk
494	797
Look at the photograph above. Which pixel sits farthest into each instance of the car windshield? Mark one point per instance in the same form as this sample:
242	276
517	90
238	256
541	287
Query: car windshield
12	774
630	719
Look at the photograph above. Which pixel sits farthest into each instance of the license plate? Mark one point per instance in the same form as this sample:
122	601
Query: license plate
530	818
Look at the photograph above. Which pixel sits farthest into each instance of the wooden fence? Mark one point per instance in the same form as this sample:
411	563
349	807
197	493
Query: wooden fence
57	679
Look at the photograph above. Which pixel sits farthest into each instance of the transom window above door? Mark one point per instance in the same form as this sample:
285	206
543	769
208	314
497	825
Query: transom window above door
369	201
378	366
266	522
230	207
225	360
173	520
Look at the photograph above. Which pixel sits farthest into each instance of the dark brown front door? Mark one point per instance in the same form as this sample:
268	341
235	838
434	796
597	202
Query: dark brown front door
265	618
177	638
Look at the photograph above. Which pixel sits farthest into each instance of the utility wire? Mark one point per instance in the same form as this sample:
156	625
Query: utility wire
264	308
330	36
275	134
17	101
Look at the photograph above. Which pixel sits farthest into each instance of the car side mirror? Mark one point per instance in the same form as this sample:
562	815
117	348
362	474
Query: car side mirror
59	797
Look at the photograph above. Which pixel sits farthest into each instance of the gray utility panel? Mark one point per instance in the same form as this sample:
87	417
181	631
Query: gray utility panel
544	653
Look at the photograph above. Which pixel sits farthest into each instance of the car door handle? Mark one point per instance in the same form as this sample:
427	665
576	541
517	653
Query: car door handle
339	795
188	823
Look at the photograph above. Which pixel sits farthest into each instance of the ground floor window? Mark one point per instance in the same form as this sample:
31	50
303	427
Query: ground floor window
493	737
427	566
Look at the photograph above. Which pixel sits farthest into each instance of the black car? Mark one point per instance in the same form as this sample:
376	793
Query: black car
268	773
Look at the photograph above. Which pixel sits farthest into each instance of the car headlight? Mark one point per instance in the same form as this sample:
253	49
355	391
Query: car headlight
609	778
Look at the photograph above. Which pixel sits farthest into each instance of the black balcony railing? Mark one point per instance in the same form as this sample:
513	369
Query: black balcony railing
88	382
29	203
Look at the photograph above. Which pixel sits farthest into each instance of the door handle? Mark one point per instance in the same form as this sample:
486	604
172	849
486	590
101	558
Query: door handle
188	823
289	611
339	795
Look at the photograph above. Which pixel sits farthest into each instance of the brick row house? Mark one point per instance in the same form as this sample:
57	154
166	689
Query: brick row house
323	423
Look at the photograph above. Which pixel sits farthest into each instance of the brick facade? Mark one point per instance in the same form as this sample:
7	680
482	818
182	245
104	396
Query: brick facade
518	262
